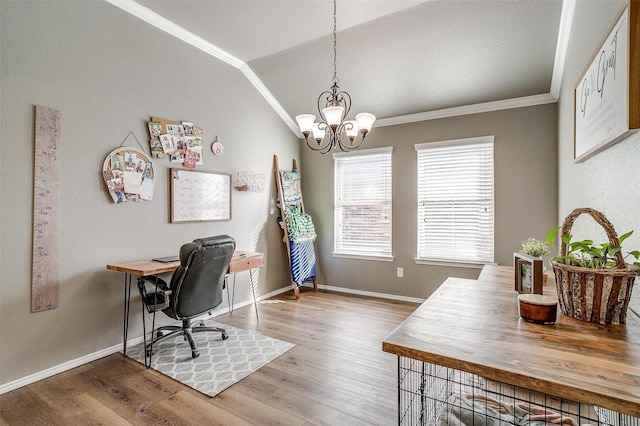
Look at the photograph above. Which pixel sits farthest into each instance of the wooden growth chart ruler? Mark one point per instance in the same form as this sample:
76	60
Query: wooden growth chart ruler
46	210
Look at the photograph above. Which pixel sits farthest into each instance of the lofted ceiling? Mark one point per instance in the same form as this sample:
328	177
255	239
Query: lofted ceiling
402	60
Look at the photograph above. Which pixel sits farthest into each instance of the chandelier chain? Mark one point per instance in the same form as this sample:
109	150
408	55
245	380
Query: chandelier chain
335	66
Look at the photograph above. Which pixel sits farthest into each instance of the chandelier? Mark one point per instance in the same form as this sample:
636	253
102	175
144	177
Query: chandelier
332	129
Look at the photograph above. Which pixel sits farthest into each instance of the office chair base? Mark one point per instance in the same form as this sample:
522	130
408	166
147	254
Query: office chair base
186	330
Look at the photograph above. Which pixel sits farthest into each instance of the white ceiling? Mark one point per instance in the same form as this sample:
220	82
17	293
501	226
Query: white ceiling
396	58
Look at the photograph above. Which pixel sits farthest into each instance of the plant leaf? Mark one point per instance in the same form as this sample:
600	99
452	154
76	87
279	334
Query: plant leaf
624	237
551	236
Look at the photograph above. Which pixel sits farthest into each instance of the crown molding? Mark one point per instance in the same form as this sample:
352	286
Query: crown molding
152	18
264	91
526	101
564	31
147	15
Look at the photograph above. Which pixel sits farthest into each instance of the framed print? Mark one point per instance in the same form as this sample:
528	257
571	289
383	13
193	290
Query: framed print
199	196
607	95
528	274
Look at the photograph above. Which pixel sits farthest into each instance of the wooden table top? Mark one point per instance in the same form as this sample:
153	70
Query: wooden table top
473	325
241	261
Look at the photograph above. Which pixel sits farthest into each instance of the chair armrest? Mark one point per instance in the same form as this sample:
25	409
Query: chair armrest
156	295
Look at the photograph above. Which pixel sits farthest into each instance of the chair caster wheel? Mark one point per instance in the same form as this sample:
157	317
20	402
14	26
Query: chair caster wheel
148	352
224	336
159	334
195	354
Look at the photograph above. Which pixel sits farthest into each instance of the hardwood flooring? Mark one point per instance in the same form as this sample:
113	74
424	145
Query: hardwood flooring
336	375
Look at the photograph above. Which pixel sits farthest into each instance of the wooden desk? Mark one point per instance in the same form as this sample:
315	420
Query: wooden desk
241	261
473	326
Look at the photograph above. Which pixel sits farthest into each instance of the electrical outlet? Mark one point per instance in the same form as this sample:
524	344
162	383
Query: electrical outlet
400	272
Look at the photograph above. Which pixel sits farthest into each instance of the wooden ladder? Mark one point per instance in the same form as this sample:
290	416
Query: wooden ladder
283	212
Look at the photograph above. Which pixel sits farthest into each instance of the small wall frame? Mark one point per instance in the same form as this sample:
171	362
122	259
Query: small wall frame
528	274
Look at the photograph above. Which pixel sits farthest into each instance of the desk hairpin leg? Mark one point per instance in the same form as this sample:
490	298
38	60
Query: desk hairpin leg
253	291
147	355
226	284
233	292
127	296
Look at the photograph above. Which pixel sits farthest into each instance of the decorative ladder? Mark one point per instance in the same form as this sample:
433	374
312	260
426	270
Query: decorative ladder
283	224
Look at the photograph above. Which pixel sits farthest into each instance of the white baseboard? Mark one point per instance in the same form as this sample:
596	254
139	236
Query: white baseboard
65	366
8	387
27	380
370	294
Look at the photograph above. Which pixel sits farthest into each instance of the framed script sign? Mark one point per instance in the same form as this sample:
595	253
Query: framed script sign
607	95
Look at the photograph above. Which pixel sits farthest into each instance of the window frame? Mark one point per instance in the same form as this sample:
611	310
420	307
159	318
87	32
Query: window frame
356	254
477	262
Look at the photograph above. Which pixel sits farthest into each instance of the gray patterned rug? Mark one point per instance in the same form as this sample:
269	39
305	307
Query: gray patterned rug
221	362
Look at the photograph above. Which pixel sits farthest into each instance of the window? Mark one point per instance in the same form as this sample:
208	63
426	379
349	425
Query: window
455	200
362	204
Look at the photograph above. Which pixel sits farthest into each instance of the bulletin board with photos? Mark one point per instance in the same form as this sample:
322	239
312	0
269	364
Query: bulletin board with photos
199	196
129	175
182	141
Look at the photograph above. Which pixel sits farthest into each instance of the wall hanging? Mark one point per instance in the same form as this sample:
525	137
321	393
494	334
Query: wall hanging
182	141
128	174
46	209
251	182
607	95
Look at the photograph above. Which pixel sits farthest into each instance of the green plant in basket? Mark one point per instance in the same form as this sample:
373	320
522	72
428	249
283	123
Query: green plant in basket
588	254
593	281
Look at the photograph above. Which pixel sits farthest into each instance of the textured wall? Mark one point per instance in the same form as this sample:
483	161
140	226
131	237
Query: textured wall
108	72
609	180
525	196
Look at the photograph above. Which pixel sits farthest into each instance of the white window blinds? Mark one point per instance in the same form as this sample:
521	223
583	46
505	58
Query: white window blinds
362	205
455	200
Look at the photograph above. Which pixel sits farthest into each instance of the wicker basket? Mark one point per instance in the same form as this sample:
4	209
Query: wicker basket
594	295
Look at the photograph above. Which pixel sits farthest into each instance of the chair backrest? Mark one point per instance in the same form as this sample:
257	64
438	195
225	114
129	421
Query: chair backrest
197	283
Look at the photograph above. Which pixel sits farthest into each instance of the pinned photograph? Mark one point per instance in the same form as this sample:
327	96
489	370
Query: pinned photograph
177	156
156	148
194	142
190	158
175	129
168	145
155	129
188	128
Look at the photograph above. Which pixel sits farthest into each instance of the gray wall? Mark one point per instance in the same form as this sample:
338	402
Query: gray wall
608	181
525	196
108	72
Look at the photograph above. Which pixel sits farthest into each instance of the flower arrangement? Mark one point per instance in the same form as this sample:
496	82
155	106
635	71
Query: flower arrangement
534	248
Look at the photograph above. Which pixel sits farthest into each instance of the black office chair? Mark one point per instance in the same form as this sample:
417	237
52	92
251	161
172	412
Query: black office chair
196	287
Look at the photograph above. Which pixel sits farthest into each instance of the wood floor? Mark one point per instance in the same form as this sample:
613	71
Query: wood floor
336	375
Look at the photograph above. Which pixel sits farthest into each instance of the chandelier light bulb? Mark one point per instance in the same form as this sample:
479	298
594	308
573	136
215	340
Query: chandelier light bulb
365	121
333	115
305	121
318	133
351	129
